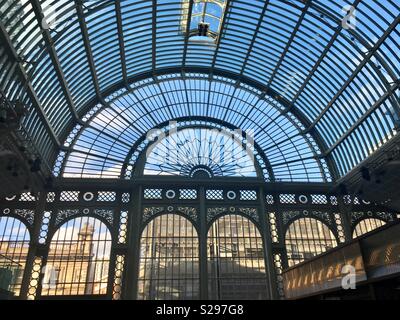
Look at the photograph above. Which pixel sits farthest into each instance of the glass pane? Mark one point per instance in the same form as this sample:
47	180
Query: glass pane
14	247
236	267
169	260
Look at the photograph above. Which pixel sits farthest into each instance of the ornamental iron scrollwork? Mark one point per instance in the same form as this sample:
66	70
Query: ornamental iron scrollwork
289	216
356	217
214	212
250	212
106	214
190	212
26	215
150	212
388	217
63	215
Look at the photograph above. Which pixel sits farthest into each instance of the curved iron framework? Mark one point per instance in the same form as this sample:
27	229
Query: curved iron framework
126	118
323	62
201	152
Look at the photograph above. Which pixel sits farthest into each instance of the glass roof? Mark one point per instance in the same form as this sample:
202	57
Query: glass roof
331	68
119	127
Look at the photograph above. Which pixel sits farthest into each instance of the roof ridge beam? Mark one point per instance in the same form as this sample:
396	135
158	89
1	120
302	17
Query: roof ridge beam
253	40
121	41
88	49
218	44
187	34
27	85
37	8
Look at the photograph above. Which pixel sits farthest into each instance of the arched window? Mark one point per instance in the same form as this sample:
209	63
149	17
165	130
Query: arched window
169	260
200	152
367	225
14	247
78	259
307	238
236	267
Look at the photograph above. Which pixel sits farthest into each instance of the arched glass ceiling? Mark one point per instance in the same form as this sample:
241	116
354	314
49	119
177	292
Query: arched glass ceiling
62	57
116	129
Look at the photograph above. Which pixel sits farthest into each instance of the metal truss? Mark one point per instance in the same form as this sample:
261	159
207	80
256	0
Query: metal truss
287	221
338	83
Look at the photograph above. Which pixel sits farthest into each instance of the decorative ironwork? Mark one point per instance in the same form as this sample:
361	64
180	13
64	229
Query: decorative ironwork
69	196
108	215
231	195
333	200
273	227
360	215
189	212
126	197
123	227
44	228
51	197
27	197
386	216
250	212
34	279
200	151
287	198
214	194
277	218
180	59
88	196
270	199
187	194
12	198
303	199
228	82
170	194
319	199
150	212
339	227
279	277
106	196
26	215
63	215
118	277
153	194
288	216
214	212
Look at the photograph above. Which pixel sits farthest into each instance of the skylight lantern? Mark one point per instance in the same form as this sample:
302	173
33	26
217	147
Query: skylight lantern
205	19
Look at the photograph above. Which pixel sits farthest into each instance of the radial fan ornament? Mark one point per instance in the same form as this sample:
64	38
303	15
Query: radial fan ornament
201	153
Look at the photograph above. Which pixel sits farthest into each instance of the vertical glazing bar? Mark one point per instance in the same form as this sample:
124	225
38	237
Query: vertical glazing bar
114	240
267	245
130	285
345	213
34	244
203	245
